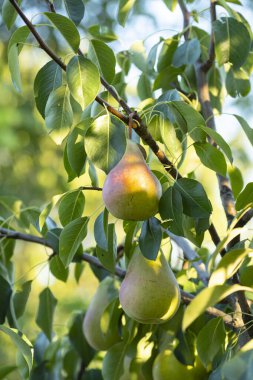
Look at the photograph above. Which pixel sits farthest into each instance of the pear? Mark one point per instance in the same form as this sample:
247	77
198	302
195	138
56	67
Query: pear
149	292
131	191
100	325
167	366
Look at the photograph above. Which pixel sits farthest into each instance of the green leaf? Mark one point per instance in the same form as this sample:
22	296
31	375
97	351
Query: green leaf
211	342
5	296
20	298
236	180
190	118
166	76
9	13
75	10
75	148
245	198
113	363
232	41
103	33
79	267
66	27
219	141
44	319
187	53
47	80
245	126
144	87
83	80
22	344
237	83
171	4
150	238
138	55
195	201
108	256
13	63
228	266
58	112
78	340
103	57
171	208
211	157
6	370
105	142
70	239
125	7
206	298
100	230
71	206
58	269
166	54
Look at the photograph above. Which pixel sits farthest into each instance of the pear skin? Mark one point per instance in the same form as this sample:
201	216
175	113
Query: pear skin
149	292
131	191
101	335
167	366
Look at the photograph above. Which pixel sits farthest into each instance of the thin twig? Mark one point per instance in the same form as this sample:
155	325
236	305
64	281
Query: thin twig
206	66
91	188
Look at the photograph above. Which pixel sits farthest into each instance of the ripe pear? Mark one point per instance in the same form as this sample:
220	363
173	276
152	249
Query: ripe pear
149	292
131	191
100	325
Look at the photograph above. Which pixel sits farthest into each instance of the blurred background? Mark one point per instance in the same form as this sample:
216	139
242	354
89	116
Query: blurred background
31	164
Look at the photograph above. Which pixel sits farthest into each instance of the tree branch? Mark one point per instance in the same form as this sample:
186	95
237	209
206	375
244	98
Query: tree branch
186	297
91	188
206	66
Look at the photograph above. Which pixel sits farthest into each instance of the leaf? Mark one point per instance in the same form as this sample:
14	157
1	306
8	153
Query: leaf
232	41
75	10
138	55
66	27
171	4
245	126
211	342
108	256
58	269
58	112
14	67
245	198
44	319
144	87
207	298
171	208
166	54
100	229
195	201
6	370
78	340
83	80
237	83
71	206
105	142
9	13
113	363
219	141
103	57
22	344
79	267
211	157
20	298
47	80
70	239
5	296
165	77
236	180
191	118
228	266
150	238
125	7
187	53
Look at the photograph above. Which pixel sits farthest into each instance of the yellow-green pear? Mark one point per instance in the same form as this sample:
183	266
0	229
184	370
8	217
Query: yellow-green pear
100	325
166	366
131	191
149	292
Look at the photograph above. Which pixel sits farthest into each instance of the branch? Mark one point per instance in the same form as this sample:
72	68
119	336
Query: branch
206	66
91	188
186	297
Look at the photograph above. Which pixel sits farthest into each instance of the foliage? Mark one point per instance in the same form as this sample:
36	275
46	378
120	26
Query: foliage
71	115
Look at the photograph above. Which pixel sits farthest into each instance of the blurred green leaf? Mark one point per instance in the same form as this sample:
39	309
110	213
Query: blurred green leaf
6	370
171	4
20	298
75	10
166	54
108	256
78	340
70	239
79	268
236	180
45	314
246	128
57	269
75	147
144	87
125	7
211	157
14	67
187	53
219	141
5	296
9	13
245	198
171	209
237	83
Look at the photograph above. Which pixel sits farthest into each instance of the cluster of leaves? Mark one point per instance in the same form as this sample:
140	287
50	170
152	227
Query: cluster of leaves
191	343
